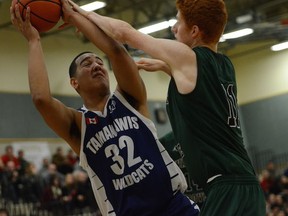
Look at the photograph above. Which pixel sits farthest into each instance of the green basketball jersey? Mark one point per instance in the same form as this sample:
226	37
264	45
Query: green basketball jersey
206	123
193	191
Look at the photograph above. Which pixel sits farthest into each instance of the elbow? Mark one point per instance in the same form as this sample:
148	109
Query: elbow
40	101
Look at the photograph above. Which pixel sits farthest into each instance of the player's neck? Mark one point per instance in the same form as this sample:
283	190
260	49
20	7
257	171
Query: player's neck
96	103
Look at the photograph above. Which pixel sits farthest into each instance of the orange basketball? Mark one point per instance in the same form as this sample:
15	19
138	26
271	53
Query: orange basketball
44	15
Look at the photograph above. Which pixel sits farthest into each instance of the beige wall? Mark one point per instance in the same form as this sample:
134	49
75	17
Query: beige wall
260	74
59	51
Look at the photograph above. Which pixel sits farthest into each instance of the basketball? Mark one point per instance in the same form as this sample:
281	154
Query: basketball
44	14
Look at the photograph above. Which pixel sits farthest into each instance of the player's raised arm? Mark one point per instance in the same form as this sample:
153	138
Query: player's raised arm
59	117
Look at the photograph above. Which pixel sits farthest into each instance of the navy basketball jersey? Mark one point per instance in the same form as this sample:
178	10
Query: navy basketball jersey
130	171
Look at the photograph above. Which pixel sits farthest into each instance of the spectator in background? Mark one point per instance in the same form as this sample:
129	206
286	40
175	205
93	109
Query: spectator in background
284	188
2	167
11	183
61	161
271	168
71	157
266	182
51	171
32	190
269	180
51	199
58	157
69	193
44	167
23	163
84	197
9	156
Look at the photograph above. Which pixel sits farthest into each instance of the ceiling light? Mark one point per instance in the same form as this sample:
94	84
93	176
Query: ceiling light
93	6
158	26
237	34
280	46
244	18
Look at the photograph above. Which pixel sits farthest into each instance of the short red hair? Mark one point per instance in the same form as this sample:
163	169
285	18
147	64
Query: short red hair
209	15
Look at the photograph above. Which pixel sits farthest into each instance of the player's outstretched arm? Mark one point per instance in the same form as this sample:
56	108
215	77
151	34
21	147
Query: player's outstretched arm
59	117
180	58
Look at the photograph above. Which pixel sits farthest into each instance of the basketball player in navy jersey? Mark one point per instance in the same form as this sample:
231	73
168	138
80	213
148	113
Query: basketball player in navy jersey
130	171
201	103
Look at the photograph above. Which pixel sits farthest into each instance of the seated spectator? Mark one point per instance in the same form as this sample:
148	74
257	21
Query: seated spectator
58	157
84	197
11	183
44	168
266	182
51	199
69	193
22	162
2	168
51	171
61	161
71	157
9	156
31	192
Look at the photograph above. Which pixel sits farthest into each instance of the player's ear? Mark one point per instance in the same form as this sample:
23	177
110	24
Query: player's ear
74	82
195	31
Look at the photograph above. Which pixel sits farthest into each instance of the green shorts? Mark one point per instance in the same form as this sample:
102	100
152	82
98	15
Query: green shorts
234	196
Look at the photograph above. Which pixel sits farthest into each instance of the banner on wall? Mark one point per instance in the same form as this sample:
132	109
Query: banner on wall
34	152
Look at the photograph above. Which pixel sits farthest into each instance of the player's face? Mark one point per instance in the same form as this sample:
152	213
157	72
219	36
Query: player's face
181	30
91	71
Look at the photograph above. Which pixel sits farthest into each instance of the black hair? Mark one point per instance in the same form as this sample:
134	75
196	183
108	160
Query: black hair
73	66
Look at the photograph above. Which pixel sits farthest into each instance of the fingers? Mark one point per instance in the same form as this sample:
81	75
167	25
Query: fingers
67	4
17	13
16	18
13	3
12	17
12	12
27	18
72	3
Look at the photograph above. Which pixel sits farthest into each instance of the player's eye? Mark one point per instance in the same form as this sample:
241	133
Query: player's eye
86	64
99	61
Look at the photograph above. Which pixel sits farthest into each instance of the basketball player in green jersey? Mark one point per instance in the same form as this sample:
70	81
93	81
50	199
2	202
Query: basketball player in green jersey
194	191
201	103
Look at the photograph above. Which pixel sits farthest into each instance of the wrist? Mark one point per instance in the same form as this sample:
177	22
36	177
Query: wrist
34	40
71	17
89	15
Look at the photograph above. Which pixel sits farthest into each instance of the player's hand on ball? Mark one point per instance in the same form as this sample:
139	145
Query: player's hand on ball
24	26
69	8
78	9
67	11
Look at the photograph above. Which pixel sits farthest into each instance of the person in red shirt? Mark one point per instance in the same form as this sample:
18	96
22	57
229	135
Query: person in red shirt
9	156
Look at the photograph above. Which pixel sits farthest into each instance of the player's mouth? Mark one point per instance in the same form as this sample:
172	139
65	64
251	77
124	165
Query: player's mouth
97	74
